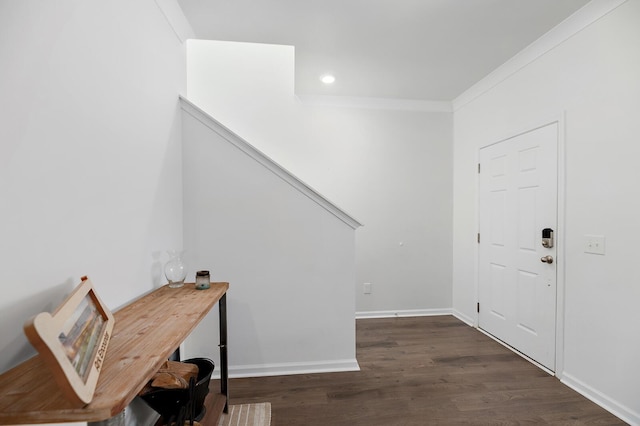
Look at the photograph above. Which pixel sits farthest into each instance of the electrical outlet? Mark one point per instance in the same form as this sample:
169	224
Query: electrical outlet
366	288
594	244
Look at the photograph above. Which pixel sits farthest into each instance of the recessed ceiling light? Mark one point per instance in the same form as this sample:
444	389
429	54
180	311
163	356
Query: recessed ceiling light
327	79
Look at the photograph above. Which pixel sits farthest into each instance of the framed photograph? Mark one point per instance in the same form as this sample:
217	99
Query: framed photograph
73	341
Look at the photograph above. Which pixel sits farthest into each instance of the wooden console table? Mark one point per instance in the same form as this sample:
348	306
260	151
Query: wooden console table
146	333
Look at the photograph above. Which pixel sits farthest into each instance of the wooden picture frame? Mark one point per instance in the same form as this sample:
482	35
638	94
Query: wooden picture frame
73	341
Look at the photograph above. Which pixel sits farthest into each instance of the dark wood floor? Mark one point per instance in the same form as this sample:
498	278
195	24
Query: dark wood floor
423	371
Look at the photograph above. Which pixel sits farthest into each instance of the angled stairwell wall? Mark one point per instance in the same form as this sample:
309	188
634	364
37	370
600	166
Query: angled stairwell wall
390	167
288	253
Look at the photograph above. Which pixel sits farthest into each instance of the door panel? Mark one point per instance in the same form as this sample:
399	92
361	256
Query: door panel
518	198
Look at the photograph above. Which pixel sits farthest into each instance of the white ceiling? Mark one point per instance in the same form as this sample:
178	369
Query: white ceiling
406	49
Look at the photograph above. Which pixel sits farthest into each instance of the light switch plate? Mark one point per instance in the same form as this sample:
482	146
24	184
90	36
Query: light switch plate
594	244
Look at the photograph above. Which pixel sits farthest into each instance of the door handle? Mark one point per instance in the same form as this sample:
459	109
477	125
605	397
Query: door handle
546	259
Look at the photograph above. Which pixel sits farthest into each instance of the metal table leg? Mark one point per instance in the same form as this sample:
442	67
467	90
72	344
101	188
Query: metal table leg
224	369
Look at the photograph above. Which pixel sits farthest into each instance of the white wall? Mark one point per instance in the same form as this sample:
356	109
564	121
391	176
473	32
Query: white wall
90	160
591	78
289	258
389	169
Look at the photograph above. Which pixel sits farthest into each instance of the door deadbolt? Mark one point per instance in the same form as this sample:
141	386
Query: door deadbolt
547	238
546	259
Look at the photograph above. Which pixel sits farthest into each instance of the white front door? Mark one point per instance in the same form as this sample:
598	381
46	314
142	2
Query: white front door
517	274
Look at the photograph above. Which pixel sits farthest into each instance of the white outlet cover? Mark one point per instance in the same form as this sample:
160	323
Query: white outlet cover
594	244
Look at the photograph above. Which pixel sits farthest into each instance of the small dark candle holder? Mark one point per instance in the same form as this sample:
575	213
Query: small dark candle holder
202	280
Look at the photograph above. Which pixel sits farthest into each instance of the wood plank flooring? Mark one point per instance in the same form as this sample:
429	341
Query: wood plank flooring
423	371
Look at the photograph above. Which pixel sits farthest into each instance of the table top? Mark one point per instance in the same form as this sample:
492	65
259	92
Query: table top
146	332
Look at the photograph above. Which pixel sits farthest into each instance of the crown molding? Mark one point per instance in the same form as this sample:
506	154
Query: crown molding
610	404
375	103
587	15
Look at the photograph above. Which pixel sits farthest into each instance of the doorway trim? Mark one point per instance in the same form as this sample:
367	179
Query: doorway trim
536	123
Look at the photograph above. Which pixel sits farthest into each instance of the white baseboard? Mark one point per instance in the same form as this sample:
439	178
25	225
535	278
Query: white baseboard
464	318
623	412
404	313
515	351
289	368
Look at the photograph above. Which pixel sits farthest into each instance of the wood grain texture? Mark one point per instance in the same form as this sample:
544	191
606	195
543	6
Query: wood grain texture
44	330
423	371
173	375
146	332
